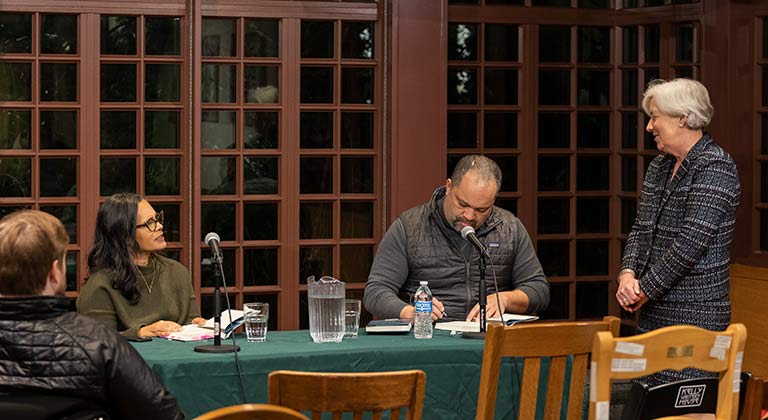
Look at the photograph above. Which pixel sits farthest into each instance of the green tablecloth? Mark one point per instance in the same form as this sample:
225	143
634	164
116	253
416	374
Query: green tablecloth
202	382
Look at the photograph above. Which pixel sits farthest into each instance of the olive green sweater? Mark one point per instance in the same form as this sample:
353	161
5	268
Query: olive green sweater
171	298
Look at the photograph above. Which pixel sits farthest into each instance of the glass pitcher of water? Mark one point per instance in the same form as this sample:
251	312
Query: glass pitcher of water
326	309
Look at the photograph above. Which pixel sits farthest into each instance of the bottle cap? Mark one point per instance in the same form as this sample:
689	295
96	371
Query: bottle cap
423	283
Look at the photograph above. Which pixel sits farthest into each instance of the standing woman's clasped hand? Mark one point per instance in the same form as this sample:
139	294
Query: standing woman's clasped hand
629	295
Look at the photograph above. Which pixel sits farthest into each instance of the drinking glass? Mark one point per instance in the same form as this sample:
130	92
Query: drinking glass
351	317
256	317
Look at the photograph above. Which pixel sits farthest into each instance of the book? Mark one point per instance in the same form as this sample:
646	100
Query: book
474	326
384	326
193	332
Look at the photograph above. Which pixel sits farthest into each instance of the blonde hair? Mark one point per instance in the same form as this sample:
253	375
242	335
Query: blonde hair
680	98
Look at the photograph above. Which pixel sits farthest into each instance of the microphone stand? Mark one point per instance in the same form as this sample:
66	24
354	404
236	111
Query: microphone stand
483	298
216	347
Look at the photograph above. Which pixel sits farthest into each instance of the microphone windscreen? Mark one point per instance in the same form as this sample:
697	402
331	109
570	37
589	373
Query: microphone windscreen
212	235
466	230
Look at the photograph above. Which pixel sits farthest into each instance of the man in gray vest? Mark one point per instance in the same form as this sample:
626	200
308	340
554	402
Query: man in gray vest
425	243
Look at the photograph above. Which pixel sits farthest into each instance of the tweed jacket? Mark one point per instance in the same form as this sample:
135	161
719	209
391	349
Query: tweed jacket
680	243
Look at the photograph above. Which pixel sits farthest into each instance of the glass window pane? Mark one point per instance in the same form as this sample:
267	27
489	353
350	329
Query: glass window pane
629	44
592	215
559	302
317	39
554	87
500	129
553	256
260	222
218	84
6	210
260	175
260	267
315	261
683	71
161	83
15	81
592	173
58	34
357	130
592	258
552	3
58	177
356	219
219	37
357	40
763	134
229	264
163	36
500	86
462	130
628	173
765	37
554	173
505	2
316	85
117	175
594	87
15	33
207	302
462	86
15	128
316	175
594	44
162	176
553	215
628	213
629	87
629	130
356	175
118	82
15	177
72	273
58	82
501	42
629	4
462	41
58	129
594	4
117	129
764	230
554	130
161	129
765	85
315	220
507	203
591	299
650	143
118	35
219	218
219	175
356	262
261	84
262	38
593	129
652	43
508	165
554	44
261	130
68	217
316	130
171	222
684	43
357	85
651	73
764	182
219	129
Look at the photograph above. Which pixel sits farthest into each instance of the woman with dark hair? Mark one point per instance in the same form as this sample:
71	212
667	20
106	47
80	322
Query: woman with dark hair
132	288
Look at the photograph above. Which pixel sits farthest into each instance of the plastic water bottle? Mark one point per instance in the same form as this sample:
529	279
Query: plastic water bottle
422	320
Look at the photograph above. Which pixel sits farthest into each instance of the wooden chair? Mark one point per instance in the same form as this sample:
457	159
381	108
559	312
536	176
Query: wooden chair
675	348
755	398
557	340
253	412
319	392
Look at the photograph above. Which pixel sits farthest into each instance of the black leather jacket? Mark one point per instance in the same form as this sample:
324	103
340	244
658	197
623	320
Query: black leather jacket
46	348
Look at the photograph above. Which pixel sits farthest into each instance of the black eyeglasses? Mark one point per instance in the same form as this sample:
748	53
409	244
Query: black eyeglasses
154	224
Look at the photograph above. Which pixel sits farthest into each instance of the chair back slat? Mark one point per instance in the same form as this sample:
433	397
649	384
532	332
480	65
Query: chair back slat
532	342
576	390
555	385
675	347
251	412
349	392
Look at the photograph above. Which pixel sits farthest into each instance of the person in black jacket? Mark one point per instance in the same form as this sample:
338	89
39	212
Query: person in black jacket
45	348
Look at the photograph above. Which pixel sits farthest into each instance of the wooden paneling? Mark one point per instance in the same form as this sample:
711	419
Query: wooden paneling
749	294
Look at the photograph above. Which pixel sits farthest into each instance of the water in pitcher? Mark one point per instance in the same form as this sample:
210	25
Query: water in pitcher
326	309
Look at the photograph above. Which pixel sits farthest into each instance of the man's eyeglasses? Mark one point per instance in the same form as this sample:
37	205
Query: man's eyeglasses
154	224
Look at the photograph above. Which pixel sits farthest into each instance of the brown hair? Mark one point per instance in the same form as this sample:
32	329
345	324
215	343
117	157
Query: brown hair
30	241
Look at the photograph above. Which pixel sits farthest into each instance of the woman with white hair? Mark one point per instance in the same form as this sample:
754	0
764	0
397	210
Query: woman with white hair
675	263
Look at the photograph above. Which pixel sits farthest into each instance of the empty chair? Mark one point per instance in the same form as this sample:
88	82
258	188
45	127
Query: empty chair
557	340
376	392
675	347
252	412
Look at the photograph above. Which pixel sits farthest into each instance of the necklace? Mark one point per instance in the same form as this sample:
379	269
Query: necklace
154	275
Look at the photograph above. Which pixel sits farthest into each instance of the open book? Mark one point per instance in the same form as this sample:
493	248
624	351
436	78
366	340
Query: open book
193	332
474	326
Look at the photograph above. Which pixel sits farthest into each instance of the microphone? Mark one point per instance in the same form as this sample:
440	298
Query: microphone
468	233
212	239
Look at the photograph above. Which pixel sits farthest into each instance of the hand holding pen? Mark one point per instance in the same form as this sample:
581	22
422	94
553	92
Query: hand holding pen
438	309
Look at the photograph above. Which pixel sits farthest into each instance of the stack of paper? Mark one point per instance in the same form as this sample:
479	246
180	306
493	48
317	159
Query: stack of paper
474	326
195	333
